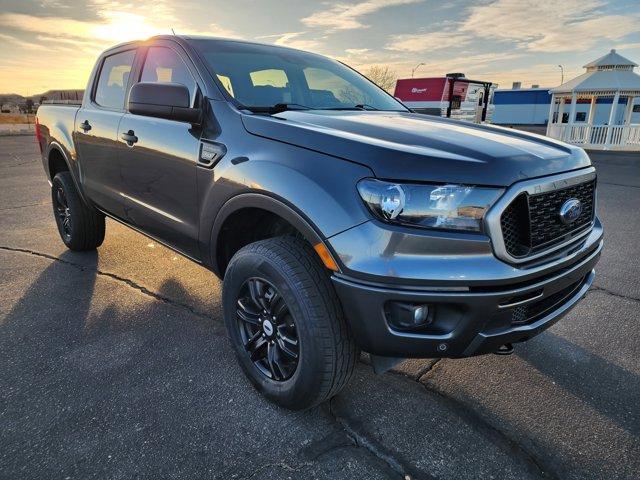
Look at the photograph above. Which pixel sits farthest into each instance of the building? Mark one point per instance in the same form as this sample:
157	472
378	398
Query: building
526	106
530	107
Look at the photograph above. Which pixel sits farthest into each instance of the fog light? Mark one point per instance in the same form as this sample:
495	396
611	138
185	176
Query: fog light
407	316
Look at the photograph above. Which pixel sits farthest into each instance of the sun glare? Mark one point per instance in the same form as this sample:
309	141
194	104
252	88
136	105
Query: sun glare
123	26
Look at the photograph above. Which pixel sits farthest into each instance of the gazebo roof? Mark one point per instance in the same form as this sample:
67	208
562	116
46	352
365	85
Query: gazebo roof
609	60
606	75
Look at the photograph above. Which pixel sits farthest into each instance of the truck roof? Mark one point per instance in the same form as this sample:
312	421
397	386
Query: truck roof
199	37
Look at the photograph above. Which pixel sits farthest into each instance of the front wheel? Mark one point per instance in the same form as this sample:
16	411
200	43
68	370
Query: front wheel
286	323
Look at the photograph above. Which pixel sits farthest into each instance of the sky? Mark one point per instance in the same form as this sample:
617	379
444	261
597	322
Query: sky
52	44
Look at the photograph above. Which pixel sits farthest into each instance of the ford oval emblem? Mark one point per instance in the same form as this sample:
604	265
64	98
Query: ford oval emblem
570	210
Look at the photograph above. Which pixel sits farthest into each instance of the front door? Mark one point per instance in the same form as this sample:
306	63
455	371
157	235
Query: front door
159	168
96	132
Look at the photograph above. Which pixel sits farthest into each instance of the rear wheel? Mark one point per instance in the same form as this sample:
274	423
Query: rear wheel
286	323
81	226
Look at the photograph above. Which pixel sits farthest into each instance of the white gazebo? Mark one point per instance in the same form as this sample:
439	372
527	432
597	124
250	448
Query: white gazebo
610	76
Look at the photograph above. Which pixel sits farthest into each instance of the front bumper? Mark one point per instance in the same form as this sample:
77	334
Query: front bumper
478	318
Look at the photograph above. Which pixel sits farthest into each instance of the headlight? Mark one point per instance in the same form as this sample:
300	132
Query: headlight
448	207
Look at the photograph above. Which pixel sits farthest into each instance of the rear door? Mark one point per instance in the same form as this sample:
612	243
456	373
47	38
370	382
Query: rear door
96	131
159	169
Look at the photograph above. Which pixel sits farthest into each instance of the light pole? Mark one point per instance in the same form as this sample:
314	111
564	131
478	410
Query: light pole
561	74
416	67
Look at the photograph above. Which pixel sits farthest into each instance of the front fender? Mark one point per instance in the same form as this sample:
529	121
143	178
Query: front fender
315	193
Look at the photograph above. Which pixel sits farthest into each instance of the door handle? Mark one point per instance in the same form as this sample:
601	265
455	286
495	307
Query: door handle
129	137
85	126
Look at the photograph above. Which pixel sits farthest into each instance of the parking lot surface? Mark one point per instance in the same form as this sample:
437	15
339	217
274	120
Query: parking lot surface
115	364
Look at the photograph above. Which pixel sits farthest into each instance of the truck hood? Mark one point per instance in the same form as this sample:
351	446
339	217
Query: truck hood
408	146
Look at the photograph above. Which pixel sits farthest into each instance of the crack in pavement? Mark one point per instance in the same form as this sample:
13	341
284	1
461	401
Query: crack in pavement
372	447
597	288
23	206
536	466
514	448
112	276
619	184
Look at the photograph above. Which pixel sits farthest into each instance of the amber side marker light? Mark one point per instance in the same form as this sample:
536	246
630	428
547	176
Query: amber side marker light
325	256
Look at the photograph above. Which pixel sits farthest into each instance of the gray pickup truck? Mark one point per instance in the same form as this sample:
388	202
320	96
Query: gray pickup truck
339	220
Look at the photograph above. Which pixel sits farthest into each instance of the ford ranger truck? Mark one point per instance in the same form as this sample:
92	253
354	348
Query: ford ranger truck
339	220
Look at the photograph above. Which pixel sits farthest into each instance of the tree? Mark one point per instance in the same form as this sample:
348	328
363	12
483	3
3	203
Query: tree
28	106
382	76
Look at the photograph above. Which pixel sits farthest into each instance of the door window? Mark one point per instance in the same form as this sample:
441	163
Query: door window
114	76
163	65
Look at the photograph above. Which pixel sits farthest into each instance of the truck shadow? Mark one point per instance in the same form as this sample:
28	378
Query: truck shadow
607	388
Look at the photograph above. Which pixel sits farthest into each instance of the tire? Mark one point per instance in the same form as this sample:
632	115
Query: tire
81	226
289	271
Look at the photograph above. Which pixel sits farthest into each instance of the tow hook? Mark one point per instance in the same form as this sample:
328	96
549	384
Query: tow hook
506	349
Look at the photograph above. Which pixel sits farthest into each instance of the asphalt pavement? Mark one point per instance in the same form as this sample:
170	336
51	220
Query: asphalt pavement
115	364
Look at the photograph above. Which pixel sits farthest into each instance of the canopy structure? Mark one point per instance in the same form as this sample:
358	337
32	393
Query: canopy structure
610	78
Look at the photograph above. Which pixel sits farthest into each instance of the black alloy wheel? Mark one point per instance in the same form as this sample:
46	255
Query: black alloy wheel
63	213
267	329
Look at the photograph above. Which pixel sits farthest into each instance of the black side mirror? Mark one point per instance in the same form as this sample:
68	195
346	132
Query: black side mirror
163	100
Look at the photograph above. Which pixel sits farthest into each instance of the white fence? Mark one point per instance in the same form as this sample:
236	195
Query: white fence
604	137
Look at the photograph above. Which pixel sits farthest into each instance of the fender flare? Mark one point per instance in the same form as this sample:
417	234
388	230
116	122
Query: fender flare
263	202
55	146
74	174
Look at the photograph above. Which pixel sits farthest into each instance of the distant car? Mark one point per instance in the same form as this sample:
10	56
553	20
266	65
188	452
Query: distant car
338	219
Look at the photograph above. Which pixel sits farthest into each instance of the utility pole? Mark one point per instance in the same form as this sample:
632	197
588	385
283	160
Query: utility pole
416	67
561	74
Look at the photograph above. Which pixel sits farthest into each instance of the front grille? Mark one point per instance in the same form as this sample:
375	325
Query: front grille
531	223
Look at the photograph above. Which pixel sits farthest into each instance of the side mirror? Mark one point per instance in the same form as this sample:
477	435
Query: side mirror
162	100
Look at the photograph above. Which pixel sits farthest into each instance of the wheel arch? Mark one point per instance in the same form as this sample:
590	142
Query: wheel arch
263	206
58	161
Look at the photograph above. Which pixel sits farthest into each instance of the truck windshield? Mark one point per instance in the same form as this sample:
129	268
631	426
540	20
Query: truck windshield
263	77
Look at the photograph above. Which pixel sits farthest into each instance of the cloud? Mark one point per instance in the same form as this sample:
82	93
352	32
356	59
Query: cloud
343	16
114	26
628	46
21	43
548	25
357	51
429	41
214	30
292	40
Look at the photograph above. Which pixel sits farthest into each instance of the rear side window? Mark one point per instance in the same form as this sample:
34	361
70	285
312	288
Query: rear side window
114	76
163	65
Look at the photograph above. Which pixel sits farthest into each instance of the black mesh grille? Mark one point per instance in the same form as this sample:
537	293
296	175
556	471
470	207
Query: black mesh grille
531	312
515	227
531	223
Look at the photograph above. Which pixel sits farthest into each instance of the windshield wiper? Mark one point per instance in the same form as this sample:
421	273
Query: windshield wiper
364	106
360	106
277	108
